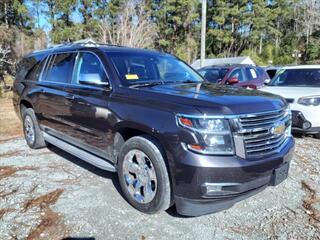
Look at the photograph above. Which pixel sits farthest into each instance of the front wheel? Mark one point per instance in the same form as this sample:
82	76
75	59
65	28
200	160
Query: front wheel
143	175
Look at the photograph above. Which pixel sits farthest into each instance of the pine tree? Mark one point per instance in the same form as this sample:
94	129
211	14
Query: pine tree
178	29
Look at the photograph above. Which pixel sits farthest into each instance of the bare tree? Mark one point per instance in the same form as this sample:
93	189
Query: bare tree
4	61
133	27
4	56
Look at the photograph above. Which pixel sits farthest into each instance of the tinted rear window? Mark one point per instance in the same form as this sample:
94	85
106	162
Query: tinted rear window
60	68
26	65
34	73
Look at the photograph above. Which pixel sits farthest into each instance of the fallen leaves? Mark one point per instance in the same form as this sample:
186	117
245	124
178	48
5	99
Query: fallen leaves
7	171
50	227
51	224
10	153
309	203
4	211
43	201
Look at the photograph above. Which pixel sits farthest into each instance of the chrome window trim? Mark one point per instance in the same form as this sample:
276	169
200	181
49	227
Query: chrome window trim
104	69
44	67
52	56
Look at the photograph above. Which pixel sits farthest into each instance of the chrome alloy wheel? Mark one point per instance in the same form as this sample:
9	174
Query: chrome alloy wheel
29	129
140	176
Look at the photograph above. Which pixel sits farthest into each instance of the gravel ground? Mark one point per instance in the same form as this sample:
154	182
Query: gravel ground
49	194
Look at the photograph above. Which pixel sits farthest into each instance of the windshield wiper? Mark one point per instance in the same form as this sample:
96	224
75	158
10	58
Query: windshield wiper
190	81
146	84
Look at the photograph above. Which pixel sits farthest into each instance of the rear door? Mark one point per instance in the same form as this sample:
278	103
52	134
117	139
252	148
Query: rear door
90	116
255	78
53	104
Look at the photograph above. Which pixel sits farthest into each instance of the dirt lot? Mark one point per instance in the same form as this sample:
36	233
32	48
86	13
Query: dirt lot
49	194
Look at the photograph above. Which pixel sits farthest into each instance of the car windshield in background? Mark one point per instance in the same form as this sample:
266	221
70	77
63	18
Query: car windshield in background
297	78
136	68
213	74
262	73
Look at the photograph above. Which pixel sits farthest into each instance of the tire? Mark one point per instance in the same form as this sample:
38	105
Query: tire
157	196
31	130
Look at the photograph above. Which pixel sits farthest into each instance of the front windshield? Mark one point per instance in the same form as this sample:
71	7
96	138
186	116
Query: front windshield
135	68
297	78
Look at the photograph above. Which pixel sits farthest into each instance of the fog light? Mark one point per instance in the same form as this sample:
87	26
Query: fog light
212	189
219	189
306	125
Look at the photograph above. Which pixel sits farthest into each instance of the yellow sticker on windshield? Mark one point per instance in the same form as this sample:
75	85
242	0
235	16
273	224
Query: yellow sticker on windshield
132	77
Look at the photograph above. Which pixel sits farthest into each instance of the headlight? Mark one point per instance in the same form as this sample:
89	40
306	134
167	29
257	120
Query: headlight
213	134
310	101
289	114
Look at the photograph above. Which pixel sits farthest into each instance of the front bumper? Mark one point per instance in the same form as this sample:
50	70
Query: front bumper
239	178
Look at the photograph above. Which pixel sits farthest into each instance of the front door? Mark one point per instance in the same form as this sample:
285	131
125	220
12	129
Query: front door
237	74
90	116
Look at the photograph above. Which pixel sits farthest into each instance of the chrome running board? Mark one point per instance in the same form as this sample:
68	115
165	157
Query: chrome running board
84	155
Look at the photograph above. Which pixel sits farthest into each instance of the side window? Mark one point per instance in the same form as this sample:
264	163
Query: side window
60	68
238	74
34	73
251	74
89	68
27	65
212	75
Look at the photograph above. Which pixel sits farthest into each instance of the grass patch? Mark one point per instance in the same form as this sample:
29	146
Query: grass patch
10	124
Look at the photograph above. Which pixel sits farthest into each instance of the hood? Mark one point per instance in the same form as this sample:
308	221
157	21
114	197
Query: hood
292	92
216	99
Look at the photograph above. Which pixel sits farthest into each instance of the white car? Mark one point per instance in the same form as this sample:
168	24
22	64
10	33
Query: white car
300	86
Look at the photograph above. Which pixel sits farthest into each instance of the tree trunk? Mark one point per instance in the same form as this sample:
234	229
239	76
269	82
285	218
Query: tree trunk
6	15
260	45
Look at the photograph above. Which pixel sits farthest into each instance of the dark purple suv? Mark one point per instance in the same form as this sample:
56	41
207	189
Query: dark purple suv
172	137
236	75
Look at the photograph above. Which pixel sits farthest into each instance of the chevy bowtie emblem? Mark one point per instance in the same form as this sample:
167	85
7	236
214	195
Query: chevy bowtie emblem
278	129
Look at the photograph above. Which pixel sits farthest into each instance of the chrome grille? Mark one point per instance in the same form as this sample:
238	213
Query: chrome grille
257	131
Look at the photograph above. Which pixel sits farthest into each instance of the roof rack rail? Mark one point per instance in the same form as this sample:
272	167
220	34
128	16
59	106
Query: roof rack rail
83	42
90	42
87	41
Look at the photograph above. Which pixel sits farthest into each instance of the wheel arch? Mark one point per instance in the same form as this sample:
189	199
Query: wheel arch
125	132
26	104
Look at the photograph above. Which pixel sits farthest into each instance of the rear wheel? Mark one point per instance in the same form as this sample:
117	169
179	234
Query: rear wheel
31	130
143	175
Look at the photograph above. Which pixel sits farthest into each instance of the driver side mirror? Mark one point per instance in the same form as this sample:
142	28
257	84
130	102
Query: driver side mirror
233	80
93	79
